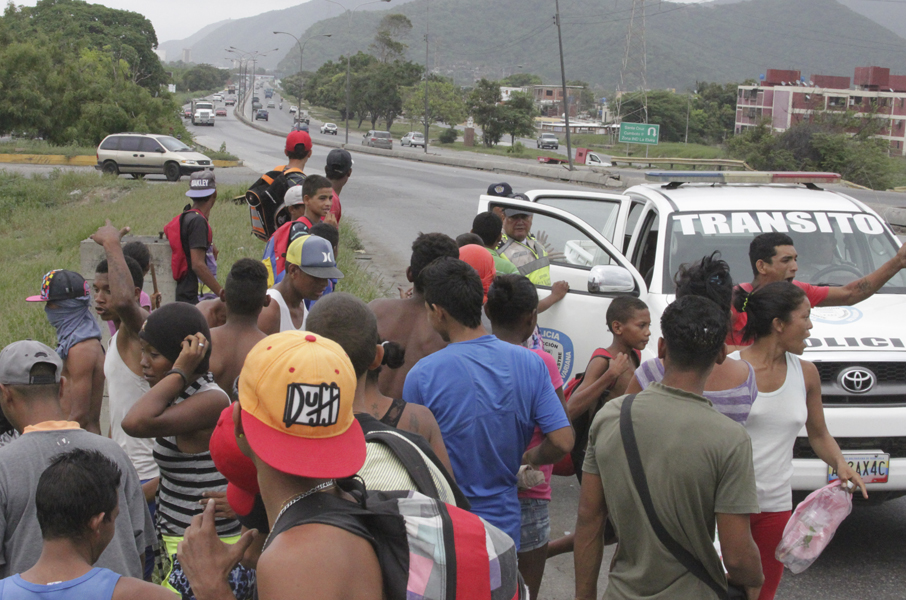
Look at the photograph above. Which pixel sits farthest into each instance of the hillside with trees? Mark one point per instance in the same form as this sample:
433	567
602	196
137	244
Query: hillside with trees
474	39
73	72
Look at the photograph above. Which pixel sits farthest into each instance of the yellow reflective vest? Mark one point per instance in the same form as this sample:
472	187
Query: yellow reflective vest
530	259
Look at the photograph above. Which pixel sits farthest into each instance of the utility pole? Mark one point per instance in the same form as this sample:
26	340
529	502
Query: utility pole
569	146
348	59
427	122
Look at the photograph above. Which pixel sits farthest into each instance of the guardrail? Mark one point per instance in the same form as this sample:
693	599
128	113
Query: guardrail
714	163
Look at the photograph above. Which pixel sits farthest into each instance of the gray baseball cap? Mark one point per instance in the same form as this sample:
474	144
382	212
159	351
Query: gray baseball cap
17	360
314	255
202	184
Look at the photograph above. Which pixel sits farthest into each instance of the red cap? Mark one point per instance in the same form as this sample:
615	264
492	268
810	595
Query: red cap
298	137
239	470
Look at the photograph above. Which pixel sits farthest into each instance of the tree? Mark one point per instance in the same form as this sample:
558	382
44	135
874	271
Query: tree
518	116
445	103
386	44
840	143
73	25
381	97
204	77
520	80
485	109
667	109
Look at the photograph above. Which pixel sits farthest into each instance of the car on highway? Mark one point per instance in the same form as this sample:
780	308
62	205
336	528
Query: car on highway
300	126
220	112
187	113
140	154
329	128
378	139
548	140
293	109
231	101
607	245
261	113
256	105
272	104
413	138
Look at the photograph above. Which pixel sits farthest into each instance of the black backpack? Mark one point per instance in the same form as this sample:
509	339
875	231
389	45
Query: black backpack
265	200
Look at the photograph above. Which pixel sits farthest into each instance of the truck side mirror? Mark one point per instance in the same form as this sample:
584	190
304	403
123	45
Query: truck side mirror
610	279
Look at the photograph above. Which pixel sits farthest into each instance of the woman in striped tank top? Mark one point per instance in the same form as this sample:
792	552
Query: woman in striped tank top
180	411
731	386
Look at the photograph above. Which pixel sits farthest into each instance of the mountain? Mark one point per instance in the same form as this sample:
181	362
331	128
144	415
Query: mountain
257	33
174	48
685	42
888	13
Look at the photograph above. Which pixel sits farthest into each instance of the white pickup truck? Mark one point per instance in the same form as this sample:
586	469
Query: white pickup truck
632	243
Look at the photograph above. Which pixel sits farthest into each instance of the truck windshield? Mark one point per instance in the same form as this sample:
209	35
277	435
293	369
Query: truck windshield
833	248
172	144
204	106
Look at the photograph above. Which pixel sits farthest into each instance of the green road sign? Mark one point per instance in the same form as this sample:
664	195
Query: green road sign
639	133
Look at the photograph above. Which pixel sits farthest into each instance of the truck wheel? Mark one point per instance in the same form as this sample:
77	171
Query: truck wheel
171	170
110	168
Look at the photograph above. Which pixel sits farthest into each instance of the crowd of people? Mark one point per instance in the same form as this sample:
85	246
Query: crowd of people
239	412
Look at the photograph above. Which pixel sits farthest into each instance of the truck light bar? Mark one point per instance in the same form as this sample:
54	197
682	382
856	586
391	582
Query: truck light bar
676	178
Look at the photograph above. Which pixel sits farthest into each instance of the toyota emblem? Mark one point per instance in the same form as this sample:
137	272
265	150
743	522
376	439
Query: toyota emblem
856	380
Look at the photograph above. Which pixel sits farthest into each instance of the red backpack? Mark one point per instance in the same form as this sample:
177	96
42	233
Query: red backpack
179	253
568	464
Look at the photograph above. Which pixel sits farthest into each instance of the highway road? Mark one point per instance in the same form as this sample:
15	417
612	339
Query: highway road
392	200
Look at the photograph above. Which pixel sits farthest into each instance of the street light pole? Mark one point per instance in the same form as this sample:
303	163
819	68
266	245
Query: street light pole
569	150
348	64
301	50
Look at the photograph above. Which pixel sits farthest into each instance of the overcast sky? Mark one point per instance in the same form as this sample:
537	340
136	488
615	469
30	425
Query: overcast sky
178	19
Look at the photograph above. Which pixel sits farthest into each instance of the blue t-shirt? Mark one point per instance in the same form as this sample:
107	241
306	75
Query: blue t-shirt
96	584
487	396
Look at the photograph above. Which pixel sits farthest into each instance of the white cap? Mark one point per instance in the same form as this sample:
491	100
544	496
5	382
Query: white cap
293	196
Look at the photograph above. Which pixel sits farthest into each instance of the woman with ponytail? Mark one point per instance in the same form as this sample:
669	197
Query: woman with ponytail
789	396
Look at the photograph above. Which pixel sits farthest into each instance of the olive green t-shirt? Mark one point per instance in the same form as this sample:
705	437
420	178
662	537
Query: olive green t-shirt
697	463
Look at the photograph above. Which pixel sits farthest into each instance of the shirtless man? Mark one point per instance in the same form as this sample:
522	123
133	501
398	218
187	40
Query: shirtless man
68	309
244	295
309	264
116	298
404	320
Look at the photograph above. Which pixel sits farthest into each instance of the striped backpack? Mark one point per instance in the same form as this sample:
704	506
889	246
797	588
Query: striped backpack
427	550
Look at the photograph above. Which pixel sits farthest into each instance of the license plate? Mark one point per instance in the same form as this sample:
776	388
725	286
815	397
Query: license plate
872	467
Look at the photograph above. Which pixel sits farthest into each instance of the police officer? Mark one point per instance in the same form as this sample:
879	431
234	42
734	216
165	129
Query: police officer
522	249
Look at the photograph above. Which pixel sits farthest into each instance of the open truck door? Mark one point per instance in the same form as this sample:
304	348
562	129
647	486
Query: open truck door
596	272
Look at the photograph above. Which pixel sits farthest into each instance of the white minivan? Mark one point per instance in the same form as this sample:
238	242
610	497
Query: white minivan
606	245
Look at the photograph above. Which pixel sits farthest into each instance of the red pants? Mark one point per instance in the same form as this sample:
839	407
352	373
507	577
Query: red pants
767	530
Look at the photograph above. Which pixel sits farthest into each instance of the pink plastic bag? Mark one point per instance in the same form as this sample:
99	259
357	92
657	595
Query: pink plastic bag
812	526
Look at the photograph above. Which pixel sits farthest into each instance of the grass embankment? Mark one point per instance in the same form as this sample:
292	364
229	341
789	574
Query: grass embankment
43	219
24	146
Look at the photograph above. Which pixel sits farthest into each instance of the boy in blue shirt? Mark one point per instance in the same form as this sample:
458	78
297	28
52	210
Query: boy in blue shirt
487	396
76	504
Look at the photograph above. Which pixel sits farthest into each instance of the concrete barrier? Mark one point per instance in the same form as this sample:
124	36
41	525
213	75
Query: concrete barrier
90	254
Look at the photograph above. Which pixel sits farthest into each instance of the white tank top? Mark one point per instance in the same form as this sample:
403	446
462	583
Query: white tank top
776	419
286	320
124	388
